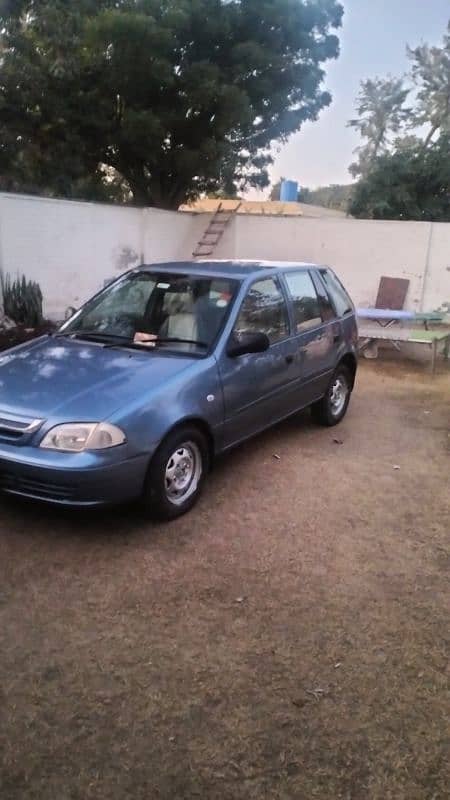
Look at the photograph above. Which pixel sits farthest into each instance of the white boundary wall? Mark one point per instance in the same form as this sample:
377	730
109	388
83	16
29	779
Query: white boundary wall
361	252
72	248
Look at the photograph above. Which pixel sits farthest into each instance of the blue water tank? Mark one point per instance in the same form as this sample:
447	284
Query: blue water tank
289	191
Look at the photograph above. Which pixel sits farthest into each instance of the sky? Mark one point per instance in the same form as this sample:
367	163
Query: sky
373	43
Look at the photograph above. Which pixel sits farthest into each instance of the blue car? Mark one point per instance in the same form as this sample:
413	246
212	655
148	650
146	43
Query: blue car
164	369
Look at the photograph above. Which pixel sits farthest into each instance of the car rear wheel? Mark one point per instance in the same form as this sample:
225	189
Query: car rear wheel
332	408
176	474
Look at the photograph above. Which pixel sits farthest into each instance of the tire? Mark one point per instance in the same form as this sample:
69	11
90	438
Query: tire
332	408
176	474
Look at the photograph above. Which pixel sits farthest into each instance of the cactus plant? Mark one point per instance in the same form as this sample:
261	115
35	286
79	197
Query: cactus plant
22	300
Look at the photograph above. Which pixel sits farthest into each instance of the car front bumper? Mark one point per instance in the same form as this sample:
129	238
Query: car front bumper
80	480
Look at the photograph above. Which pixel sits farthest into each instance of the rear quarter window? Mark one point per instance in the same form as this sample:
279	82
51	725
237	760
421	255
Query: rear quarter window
339	296
305	302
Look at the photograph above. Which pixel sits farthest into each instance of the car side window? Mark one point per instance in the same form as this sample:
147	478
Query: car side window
264	311
326	306
337	292
304	301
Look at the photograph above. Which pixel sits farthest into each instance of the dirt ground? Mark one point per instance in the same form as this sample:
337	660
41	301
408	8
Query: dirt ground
288	639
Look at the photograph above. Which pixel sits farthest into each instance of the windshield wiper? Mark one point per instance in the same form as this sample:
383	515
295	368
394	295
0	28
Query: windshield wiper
125	341
91	335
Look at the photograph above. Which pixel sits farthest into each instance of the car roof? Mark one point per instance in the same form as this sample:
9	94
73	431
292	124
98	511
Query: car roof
225	268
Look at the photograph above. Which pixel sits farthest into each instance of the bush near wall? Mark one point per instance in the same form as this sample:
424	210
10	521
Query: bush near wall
22	300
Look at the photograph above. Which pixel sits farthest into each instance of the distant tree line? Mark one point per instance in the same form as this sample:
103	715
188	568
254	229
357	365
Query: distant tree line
336	196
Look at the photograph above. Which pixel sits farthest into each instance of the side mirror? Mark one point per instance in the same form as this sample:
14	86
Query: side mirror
247	343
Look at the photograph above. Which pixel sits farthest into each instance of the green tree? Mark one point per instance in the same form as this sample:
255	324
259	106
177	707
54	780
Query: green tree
172	97
412	183
336	196
431	74
381	112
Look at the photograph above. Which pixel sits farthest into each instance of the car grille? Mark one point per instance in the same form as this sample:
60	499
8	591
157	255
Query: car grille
9	435
45	490
13	428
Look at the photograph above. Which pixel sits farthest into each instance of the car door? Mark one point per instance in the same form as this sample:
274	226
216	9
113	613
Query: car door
316	332
258	388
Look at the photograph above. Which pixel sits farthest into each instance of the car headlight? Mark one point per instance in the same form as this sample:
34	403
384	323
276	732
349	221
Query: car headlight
78	436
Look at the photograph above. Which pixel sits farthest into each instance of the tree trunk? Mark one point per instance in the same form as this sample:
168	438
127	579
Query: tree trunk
158	191
140	192
166	193
430	136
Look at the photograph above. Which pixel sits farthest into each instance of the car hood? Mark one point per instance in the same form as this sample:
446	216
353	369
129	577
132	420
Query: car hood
78	380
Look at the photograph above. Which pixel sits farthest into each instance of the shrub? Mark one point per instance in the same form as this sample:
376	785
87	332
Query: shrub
22	300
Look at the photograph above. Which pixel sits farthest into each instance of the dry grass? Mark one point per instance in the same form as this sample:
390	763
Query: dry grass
287	639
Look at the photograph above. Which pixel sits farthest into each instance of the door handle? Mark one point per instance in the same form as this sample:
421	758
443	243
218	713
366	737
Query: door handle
289	359
337	338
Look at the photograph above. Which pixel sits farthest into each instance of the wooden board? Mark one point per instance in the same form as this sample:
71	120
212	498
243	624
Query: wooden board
392	293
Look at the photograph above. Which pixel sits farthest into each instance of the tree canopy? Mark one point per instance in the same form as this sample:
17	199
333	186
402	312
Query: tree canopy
404	162
381	111
157	100
410	184
431	75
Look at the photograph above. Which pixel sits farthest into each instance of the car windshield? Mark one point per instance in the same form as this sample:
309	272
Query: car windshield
184	312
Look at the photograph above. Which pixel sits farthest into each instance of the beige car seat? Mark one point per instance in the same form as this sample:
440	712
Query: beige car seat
182	322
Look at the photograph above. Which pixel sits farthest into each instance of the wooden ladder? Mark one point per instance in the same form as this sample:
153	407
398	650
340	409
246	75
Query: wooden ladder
215	230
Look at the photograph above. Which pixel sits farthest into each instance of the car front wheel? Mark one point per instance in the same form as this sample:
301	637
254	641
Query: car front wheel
333	406
176	474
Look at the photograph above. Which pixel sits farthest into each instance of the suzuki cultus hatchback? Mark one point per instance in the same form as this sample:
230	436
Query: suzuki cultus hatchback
164	369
